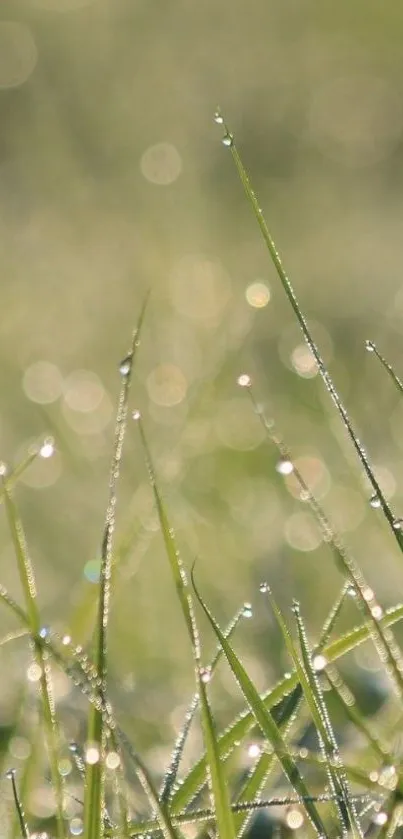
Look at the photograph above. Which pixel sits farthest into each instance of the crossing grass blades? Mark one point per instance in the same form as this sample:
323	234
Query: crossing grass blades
326	796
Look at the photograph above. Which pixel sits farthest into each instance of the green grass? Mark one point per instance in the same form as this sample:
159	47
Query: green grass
328	789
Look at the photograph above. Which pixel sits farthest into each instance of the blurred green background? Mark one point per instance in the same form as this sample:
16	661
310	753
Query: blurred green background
113	180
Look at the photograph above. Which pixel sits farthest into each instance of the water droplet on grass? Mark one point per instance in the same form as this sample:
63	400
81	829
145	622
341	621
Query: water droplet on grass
284	466
47	448
91	755
136	415
398	524
126	365
227	140
369	346
247	611
351	591
244	380
218	118
10	774
205	674
375	501
254	750
44	632
319	663
264	588
3	469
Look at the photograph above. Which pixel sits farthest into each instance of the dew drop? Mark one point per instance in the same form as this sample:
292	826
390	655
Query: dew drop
375	501
73	747
218	118
136	415
380	818
319	663
264	588
125	365
254	750
76	826
91	754
205	674
244	380
284	466
398	524
44	632
247	611
369	346
10	774
227	140
351	591
66	640
3	468
377	612
112	760
47	448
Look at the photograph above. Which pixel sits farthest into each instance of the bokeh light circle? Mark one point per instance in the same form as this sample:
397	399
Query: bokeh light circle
18	53
161	164
166	385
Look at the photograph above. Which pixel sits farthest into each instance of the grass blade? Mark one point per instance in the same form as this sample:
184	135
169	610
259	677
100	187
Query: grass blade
27	579
266	722
290	293
219	794
95	774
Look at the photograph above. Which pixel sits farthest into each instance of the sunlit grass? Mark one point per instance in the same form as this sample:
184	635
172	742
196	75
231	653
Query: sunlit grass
321	790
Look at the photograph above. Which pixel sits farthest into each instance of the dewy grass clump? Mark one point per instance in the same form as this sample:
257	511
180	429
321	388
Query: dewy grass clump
322	794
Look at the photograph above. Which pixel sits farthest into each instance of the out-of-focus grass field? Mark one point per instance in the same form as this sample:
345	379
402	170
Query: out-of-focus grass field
113	180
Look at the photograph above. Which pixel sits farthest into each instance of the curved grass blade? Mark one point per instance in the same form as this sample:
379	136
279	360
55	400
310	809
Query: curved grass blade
266	722
27	579
242	724
317	704
290	293
94	804
371	347
171	774
356	718
217	782
18	805
385	644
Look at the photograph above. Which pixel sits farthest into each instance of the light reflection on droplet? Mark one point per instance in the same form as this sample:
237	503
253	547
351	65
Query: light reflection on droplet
45	470
92	570
257	295
161	164
380	818
244	380
294	818
18	53
112	760
254	750
247	611
284	466
47	448
205	674
42	382
91	753
319	662
34	672
227	140
76	826
218	118
303	361
136	415
166	385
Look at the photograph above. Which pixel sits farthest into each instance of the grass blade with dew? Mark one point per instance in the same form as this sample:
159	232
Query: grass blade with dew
265	721
316	704
371	347
199	816
95	774
347	702
171	774
41	657
219	794
238	729
228	140
10	774
385	644
264	765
